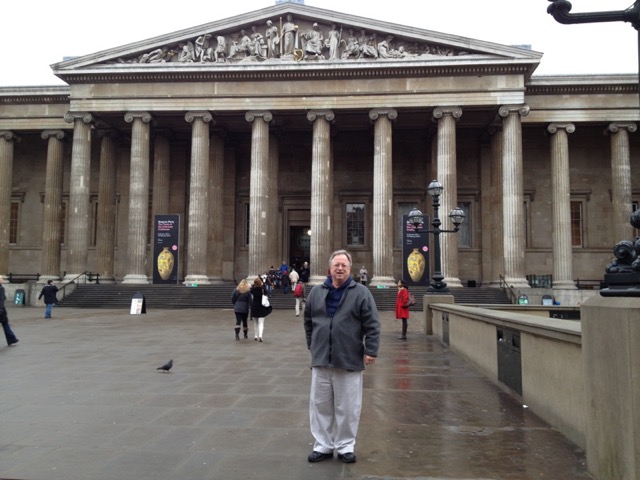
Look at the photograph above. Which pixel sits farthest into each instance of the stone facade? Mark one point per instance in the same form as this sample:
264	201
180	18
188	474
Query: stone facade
283	141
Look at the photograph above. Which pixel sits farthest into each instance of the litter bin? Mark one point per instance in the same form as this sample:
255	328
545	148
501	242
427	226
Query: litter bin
18	298
509	359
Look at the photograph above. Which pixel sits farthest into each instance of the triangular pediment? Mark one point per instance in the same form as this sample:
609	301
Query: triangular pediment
290	37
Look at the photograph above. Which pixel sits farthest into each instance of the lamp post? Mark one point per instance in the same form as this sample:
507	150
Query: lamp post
417	218
560	9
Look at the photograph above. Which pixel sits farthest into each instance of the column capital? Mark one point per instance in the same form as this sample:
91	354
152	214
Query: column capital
439	112
9	136
205	116
390	113
46	134
554	127
131	116
264	114
506	110
71	117
328	115
615	127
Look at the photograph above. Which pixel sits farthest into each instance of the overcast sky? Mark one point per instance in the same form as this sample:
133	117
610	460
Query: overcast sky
38	33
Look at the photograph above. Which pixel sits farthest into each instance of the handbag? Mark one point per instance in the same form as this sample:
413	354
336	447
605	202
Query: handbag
411	301
265	301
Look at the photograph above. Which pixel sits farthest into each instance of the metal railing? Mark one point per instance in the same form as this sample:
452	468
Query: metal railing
86	277
513	297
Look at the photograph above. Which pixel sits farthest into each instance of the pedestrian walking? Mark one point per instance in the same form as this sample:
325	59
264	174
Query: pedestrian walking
4	318
342	330
364	276
49	292
258	310
402	307
241	299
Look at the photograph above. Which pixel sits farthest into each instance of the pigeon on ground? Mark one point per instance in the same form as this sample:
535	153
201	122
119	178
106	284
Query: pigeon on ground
166	367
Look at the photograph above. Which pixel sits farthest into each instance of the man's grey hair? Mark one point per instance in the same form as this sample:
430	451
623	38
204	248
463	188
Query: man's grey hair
340	252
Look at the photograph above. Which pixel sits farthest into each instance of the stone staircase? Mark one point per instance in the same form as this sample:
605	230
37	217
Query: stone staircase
219	296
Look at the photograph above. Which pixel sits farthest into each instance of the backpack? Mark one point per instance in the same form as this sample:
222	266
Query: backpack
298	290
411	301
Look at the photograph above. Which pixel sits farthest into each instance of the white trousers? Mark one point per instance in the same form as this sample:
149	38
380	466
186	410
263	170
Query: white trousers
335	403
258	327
298	303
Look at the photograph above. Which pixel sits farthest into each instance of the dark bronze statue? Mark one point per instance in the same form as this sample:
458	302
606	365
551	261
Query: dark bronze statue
623	273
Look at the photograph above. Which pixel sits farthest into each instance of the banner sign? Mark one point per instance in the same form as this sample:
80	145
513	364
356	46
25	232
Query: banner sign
415	252
166	248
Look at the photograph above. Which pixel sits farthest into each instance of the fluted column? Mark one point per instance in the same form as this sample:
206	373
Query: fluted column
215	247
106	231
447	175
321	194
621	195
273	233
497	220
513	195
161	173
259	215
7	140
561	205
138	197
77	238
383	211
198	198
50	262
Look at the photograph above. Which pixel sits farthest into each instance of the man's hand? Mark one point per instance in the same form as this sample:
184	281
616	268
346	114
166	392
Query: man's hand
369	360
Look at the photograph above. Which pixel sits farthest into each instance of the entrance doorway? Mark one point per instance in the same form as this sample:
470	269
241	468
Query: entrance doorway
299	245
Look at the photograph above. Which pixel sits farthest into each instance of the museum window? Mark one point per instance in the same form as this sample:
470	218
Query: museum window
14	218
464	234
577	223
355	224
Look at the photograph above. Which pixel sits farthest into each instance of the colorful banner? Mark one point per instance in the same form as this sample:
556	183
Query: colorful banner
415	252
166	248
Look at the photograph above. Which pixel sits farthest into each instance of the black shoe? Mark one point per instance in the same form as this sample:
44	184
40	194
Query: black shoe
319	456
14	342
402	337
348	457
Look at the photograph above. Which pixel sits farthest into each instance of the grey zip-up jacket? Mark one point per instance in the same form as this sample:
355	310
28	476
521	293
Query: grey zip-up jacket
342	341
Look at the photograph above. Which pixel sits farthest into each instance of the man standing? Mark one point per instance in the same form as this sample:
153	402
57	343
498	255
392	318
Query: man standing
50	299
342	331
4	318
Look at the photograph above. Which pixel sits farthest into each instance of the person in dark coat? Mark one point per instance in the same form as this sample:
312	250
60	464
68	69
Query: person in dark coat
4	318
241	299
49	292
258	311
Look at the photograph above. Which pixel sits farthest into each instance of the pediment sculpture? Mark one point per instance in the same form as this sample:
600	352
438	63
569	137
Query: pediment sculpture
285	40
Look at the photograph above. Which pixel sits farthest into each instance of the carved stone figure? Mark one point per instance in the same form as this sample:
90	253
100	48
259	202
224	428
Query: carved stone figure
241	47
273	40
352	48
314	42
367	45
201	47
220	53
289	30
187	54
386	51
334	42
258	46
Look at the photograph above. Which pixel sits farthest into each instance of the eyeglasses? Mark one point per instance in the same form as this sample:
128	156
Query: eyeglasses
340	265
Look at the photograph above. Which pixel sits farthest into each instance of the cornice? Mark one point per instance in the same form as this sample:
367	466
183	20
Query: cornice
582	85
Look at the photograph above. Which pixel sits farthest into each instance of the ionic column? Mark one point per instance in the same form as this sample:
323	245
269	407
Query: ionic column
497	234
447	175
273	233
106	231
50	262
138	197
215	246
621	195
259	215
513	192
486	157
383	211
7	140
198	198
321	194
77	238
161	173
561	205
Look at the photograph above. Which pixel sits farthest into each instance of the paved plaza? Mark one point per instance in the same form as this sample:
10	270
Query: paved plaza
81	399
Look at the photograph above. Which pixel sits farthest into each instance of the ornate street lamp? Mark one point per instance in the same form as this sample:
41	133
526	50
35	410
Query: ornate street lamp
417	218
560	9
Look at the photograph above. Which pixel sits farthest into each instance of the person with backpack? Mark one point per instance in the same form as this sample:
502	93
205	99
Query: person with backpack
403	302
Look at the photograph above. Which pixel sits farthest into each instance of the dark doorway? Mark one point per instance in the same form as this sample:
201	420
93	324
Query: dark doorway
299	245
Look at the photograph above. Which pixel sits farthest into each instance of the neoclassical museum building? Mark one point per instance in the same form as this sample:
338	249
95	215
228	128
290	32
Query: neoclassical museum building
288	132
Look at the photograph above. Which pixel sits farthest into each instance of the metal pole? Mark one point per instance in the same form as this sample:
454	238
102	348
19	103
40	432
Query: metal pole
437	285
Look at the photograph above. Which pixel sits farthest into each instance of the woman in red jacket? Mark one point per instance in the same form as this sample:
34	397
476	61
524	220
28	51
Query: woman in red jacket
402	309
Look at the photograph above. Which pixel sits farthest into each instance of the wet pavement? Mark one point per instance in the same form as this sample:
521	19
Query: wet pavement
81	398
